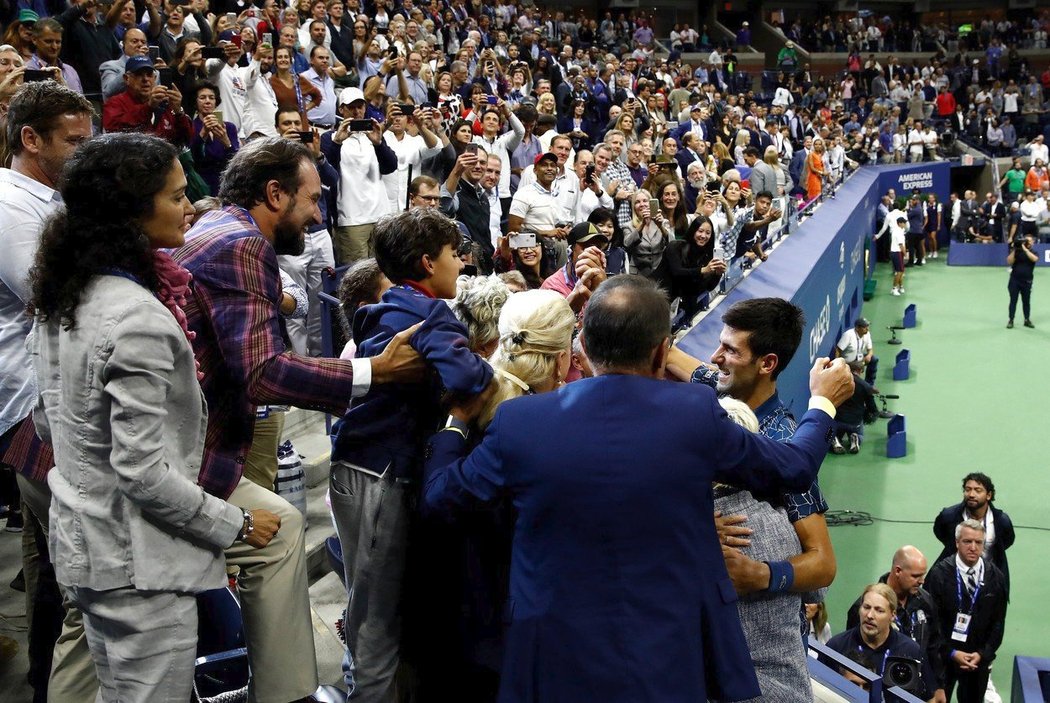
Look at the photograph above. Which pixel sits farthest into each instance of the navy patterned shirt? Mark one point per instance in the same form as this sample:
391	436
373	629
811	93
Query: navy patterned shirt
775	422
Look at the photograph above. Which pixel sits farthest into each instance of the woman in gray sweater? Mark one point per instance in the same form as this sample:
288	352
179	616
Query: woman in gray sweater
132	536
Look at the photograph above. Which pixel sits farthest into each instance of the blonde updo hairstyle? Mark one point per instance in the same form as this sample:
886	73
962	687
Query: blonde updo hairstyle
534	327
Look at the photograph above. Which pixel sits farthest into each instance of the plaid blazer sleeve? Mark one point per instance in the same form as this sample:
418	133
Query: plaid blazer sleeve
241	288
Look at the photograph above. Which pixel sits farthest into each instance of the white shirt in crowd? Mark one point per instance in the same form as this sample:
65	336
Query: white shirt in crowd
411	151
854	347
1039	151
261	104
503	146
362	195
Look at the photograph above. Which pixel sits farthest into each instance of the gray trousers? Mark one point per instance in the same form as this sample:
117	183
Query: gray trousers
371	517
143	643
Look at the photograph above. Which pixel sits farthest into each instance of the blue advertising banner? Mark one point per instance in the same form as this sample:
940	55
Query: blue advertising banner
929	176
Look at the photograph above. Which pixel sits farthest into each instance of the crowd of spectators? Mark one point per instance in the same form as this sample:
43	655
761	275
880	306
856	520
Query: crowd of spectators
406	142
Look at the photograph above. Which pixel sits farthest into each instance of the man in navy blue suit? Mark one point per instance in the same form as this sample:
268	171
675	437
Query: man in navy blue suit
698	124
618	589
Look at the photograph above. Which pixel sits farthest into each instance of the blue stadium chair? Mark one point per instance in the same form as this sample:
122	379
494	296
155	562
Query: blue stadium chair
221	668
897	443
330	316
902	367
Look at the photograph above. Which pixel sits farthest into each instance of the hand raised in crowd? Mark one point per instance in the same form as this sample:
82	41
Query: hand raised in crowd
232	52
376	135
590	270
714	266
832	380
730	530
266	525
315	144
263	52
558	232
465	162
210	127
399	361
11	82
342	132
158	96
175	97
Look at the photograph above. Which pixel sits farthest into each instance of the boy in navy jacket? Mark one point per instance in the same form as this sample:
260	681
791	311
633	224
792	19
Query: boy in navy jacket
377	447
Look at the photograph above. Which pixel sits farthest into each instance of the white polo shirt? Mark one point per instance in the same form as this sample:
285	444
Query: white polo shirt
538	208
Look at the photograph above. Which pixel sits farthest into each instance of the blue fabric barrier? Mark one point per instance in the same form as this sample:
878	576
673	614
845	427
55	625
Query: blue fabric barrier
974	254
820	268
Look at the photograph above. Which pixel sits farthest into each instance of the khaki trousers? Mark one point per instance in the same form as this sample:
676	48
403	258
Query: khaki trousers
73	678
260	466
352	243
275	602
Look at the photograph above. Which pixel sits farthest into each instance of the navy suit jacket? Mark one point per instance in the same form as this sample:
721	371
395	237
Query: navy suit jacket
618	589
687	126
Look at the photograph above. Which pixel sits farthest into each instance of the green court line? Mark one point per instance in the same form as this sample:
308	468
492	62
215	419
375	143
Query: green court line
976	401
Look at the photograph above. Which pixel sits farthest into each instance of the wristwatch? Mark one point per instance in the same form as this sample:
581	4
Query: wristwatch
248	528
456	425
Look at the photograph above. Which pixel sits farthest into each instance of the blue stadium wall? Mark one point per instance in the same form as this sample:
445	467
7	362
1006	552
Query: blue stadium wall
821	268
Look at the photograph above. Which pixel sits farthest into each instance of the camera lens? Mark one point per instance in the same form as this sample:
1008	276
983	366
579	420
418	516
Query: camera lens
901	674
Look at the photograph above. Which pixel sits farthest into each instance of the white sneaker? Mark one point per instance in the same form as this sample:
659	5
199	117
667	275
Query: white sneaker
991	695
901	289
895	291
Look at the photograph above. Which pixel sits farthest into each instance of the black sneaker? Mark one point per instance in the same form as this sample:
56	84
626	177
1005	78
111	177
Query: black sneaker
854	443
1028	323
1010	325
14	521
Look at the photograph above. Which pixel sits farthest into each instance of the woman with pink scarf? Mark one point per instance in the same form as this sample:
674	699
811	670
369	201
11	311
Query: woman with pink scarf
133	537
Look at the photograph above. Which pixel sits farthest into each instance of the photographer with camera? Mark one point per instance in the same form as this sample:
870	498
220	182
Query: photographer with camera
1021	261
916	614
879	645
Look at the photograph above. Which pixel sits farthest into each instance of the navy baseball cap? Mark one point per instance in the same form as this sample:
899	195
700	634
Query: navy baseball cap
138	63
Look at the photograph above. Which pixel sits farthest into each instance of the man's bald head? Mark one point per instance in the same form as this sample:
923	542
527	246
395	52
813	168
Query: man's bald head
628	318
908	572
908	556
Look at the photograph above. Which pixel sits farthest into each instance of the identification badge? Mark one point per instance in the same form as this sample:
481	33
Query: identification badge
962	627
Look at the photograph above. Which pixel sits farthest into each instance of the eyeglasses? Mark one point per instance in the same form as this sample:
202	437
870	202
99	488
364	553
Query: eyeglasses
429	198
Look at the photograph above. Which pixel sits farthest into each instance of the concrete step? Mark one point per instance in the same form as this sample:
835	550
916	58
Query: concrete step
319	527
327	601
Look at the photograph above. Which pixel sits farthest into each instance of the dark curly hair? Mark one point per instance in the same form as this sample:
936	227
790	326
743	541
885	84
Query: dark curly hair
108	188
